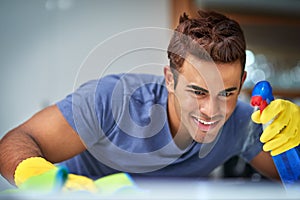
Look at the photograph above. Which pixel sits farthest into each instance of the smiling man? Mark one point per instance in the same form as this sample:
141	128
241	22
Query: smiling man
184	124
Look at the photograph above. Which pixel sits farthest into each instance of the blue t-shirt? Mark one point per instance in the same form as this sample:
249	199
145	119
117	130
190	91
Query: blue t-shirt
122	119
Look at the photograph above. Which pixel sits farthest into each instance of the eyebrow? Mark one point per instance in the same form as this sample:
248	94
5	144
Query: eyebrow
229	89
195	87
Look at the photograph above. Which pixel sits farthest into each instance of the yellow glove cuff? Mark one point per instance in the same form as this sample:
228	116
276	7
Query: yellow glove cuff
31	167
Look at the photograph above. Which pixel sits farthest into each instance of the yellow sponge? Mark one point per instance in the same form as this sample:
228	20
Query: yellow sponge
115	183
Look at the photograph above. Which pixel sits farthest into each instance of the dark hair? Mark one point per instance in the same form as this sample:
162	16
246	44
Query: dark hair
221	38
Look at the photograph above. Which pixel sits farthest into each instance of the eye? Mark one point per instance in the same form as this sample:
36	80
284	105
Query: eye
225	94
198	92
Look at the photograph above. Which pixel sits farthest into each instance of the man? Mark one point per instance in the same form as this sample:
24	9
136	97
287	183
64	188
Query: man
184	124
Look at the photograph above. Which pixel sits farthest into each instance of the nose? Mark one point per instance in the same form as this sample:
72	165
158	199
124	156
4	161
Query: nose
210	107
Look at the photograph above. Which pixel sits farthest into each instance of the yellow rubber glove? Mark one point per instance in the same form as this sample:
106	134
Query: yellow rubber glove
37	166
283	133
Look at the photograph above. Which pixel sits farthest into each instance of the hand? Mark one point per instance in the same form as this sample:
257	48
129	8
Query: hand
38	174
284	131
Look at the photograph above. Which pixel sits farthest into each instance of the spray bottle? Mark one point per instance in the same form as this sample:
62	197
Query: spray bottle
288	162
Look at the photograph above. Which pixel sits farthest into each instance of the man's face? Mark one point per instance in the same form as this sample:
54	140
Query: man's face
204	98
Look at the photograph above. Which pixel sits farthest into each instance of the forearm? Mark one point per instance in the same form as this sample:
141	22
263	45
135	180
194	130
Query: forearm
264	164
16	146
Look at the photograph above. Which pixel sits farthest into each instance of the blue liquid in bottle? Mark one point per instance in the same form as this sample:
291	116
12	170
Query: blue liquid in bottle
288	166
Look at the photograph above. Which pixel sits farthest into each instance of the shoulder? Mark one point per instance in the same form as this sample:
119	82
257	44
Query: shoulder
131	77
127	98
130	84
129	80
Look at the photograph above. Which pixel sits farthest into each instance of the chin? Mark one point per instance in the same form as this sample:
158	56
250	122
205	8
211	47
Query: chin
206	137
205	133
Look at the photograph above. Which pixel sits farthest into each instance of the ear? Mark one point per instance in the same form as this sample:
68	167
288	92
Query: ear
243	80
169	78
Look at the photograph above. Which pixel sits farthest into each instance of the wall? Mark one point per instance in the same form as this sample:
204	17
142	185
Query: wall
46	47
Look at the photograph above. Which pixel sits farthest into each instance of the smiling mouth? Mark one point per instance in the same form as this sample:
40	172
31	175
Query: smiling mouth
205	125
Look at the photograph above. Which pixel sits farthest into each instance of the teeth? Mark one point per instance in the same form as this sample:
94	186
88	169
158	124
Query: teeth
205	122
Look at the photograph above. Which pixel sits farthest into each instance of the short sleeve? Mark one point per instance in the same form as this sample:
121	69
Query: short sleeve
78	109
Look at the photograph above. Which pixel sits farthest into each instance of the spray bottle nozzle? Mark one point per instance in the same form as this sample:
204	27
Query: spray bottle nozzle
262	95
257	101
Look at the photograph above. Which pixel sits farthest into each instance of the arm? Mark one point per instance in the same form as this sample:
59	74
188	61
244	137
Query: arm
47	134
264	164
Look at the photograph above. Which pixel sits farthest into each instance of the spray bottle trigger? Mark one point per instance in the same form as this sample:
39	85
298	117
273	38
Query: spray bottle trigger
258	101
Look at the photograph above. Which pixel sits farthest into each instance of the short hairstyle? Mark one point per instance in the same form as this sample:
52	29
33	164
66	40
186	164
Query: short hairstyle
221	38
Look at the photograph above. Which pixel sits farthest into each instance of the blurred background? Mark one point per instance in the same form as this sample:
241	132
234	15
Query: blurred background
45	42
272	30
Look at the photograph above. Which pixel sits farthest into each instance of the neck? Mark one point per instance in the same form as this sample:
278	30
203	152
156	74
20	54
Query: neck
179	133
